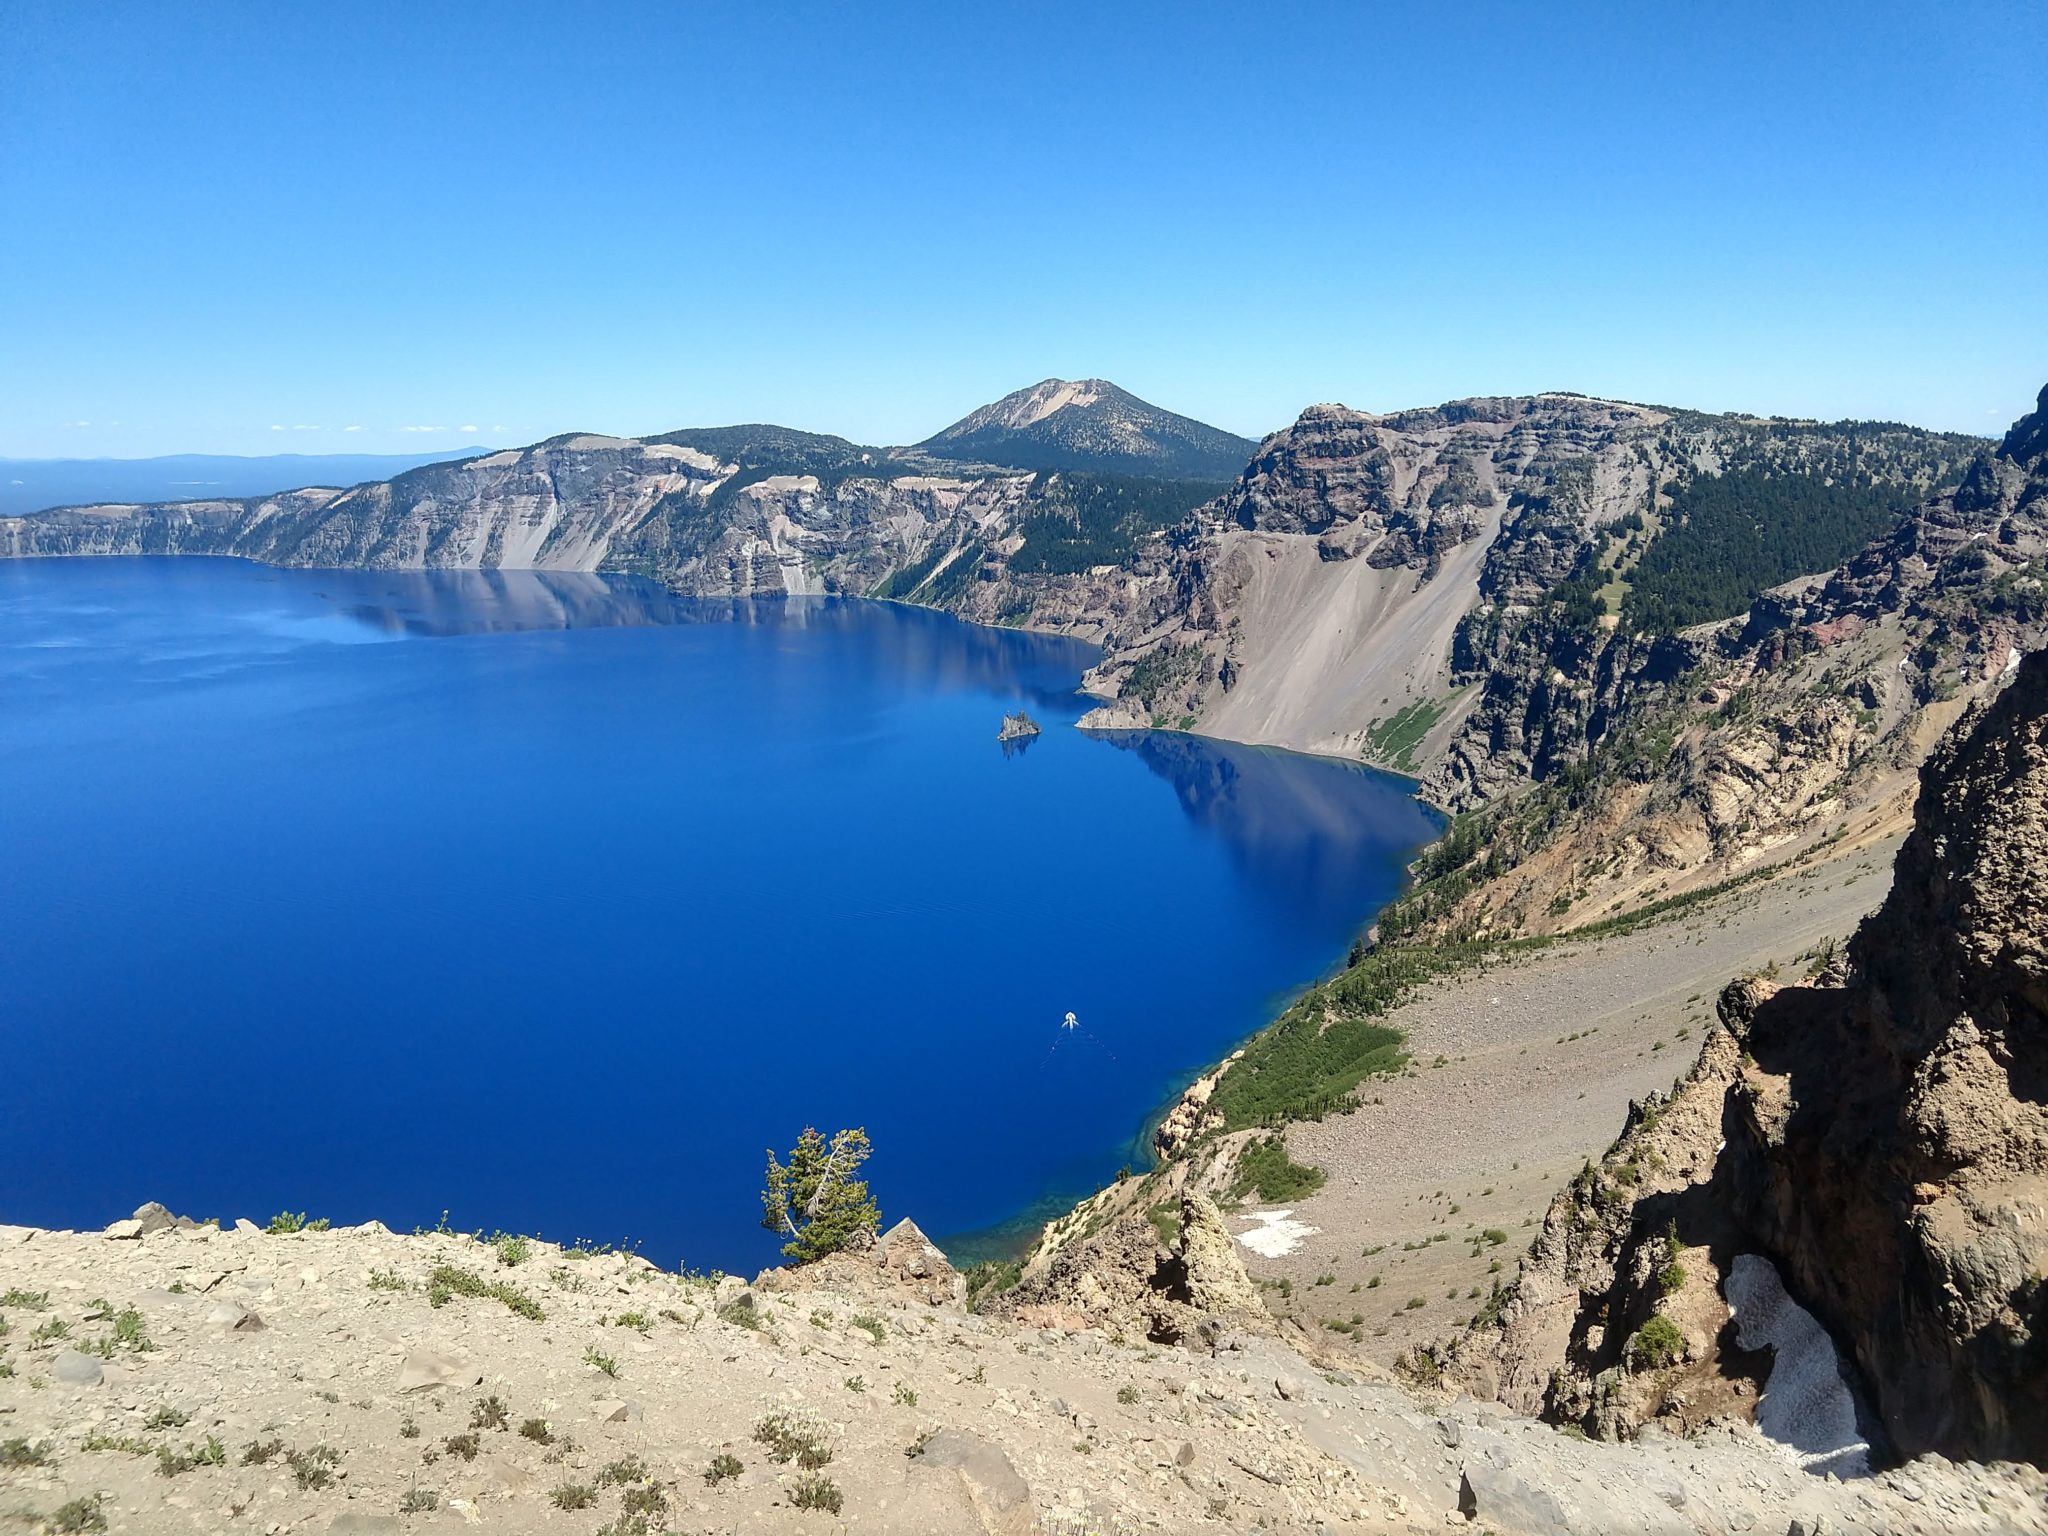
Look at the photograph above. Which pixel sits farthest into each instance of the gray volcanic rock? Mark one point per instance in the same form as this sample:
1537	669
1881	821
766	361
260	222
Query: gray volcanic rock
1882	1136
1891	1142
1090	424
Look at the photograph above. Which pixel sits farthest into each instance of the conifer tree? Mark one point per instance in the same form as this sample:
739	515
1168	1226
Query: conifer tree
816	1201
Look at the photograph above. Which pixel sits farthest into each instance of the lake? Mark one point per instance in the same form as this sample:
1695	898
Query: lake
554	901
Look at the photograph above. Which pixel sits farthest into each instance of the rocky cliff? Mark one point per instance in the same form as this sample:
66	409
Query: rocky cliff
1447	589
1878	1135
1665	762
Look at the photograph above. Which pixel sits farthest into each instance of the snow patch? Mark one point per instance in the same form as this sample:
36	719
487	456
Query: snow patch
1276	1234
1807	1404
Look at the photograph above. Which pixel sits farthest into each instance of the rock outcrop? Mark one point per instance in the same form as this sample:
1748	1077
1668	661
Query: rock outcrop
901	1265
1880	1135
1890	1144
1123	1277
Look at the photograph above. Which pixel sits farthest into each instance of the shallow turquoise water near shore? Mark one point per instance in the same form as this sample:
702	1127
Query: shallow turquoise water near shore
553	901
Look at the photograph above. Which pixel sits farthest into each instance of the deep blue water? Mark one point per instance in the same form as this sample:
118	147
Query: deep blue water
554	901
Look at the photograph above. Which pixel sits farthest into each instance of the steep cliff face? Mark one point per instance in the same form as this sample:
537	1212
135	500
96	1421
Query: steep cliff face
1881	1136
1677	760
559	505
1445	590
1890	1145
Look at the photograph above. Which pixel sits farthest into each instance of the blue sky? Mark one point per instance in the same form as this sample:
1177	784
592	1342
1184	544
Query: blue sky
248	228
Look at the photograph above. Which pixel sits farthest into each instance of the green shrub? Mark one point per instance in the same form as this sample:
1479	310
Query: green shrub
990	1279
1656	1344
447	1280
1310	1061
723	1468
813	1491
211	1454
1264	1166
489	1413
742	1314
80	1517
1165	1219
794	1437
1672	1275
638	1507
313	1469
573	1496
17	1452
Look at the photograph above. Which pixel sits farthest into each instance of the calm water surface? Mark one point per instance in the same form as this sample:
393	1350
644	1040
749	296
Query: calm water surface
554	901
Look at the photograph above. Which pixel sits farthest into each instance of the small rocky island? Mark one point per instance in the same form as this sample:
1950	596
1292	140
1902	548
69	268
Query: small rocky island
1016	727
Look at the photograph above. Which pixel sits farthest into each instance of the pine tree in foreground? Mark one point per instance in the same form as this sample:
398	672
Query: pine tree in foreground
816	1201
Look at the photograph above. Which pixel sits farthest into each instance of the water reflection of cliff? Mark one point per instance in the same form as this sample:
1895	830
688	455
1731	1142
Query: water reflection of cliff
922	647
1309	831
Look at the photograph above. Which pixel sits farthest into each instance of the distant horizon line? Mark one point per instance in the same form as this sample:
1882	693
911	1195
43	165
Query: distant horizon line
454	451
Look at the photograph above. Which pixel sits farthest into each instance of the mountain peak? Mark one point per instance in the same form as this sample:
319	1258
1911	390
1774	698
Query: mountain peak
1090	424
1027	407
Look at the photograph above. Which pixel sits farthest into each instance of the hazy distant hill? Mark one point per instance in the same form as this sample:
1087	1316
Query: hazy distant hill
29	485
1090	424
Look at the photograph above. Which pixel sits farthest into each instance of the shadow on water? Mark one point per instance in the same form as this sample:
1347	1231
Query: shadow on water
916	644
1300	827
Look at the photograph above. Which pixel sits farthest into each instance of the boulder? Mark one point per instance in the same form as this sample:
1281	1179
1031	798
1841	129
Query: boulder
153	1217
124	1231
917	1264
1502	1500
1001	1498
76	1370
230	1318
425	1369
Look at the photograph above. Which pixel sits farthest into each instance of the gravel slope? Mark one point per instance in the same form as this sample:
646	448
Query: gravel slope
1540	1058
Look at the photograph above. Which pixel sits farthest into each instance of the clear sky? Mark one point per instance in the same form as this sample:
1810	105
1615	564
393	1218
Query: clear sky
261	227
